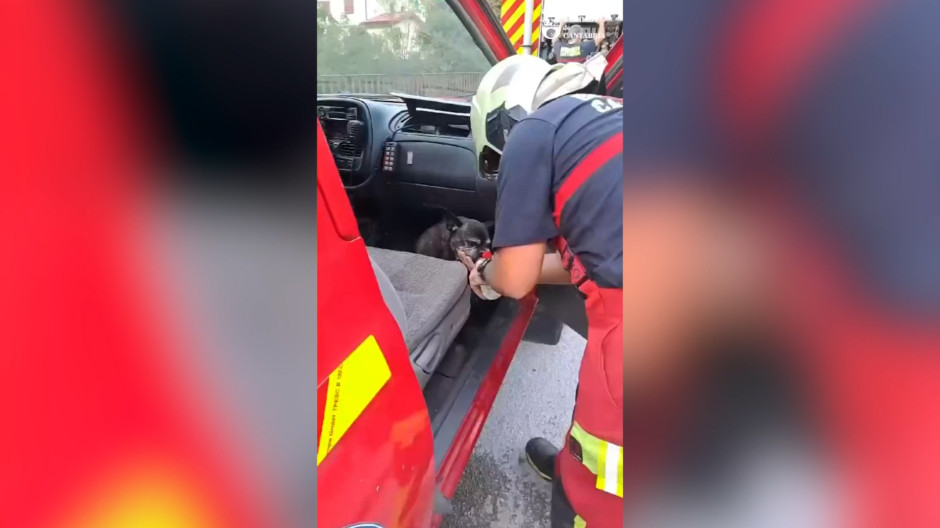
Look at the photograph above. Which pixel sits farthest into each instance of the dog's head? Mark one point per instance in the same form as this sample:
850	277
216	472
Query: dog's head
467	235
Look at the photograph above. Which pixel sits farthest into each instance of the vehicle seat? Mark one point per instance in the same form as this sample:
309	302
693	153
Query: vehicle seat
430	300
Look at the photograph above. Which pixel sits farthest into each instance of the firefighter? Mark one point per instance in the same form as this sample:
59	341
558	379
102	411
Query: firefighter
555	150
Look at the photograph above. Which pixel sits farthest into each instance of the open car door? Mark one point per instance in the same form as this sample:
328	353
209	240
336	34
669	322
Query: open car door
612	80
374	450
388	452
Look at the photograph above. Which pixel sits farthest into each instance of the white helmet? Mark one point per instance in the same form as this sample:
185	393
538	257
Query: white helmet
514	88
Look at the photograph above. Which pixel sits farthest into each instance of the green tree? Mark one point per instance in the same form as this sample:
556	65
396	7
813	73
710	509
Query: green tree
343	48
446	46
418	7
442	44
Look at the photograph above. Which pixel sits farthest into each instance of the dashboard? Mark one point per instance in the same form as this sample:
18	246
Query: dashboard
346	134
406	151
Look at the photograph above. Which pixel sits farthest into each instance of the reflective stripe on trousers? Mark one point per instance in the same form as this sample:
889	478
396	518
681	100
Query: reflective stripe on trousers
603	459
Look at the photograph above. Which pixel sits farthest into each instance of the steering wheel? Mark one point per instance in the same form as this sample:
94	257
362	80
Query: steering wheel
359	185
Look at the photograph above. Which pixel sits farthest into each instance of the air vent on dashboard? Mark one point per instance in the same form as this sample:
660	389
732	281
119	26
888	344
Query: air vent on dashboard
399	121
437	130
340	142
345	148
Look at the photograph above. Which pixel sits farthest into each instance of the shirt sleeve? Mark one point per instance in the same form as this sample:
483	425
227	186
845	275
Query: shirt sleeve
588	47
524	191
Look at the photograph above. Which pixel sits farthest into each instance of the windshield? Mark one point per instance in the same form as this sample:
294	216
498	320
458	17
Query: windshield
418	47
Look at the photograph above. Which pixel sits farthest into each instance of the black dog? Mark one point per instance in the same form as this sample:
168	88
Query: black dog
453	233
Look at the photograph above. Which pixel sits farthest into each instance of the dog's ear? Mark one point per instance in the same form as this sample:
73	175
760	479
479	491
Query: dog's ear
452	221
490	226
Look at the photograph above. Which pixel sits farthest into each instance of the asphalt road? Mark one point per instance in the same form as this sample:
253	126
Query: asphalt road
498	490
771	482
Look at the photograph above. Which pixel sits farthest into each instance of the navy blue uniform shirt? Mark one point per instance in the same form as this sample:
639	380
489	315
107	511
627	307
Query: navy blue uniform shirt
565	52
541	152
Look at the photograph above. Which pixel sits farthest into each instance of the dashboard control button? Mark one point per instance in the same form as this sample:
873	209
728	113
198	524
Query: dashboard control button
388	159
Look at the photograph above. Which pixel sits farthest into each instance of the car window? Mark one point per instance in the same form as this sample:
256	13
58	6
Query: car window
418	47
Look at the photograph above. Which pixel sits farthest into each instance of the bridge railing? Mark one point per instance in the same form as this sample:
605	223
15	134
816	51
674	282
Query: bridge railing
424	84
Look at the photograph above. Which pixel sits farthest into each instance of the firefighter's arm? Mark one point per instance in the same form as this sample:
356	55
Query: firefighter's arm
524	215
601	32
514	271
553	271
561	28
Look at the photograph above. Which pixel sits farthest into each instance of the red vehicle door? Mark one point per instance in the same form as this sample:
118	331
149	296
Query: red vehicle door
374	453
375	450
613	75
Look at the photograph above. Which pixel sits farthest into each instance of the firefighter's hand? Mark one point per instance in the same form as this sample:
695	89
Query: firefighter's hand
600	21
562	22
475	280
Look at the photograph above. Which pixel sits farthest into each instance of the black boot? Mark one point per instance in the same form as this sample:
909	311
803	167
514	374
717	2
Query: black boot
540	453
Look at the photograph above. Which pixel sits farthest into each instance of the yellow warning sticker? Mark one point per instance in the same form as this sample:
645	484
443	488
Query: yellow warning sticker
350	389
